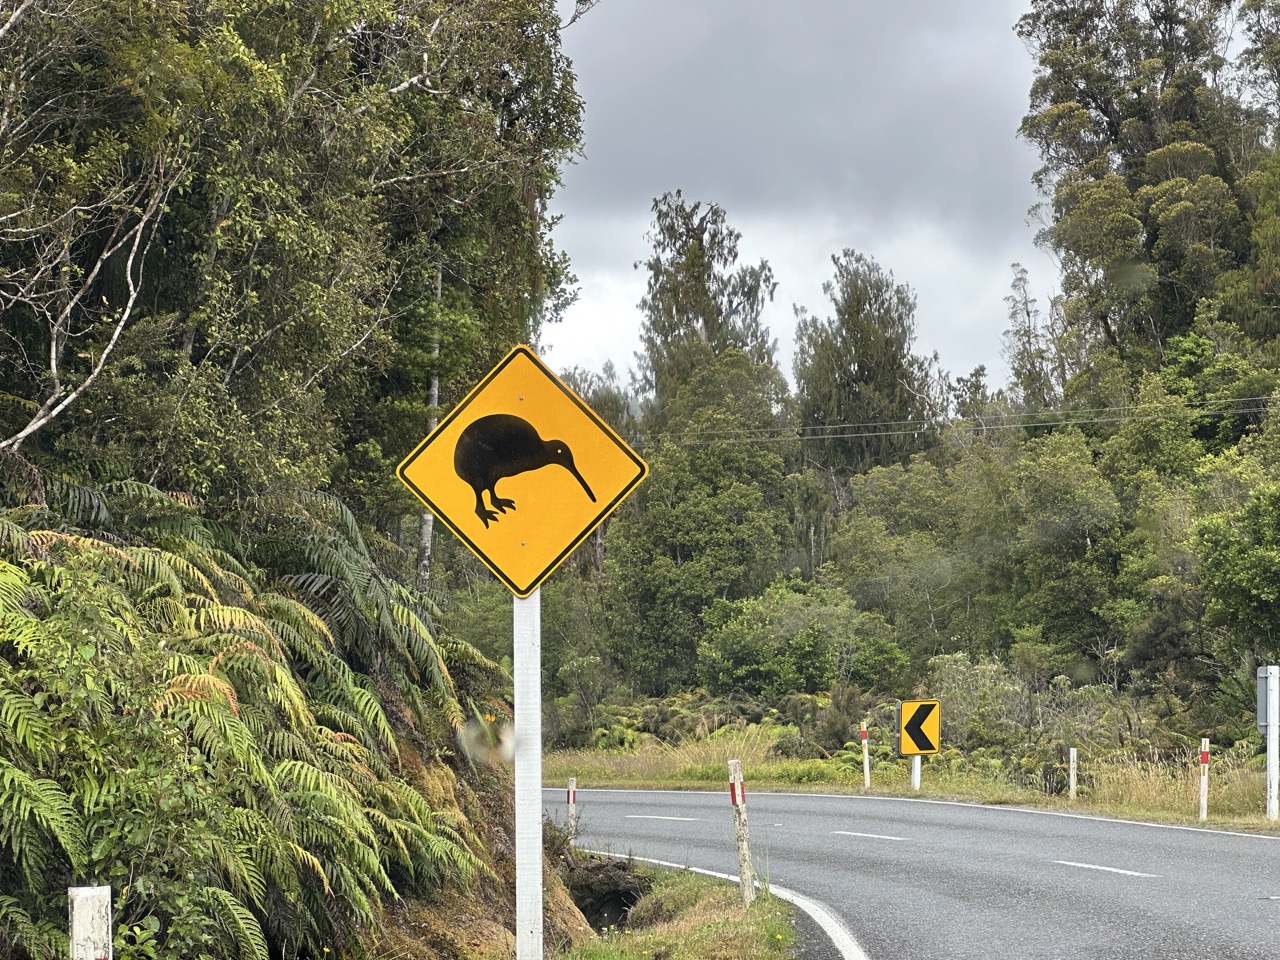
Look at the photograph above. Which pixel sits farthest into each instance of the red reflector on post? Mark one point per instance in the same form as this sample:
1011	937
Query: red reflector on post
1204	758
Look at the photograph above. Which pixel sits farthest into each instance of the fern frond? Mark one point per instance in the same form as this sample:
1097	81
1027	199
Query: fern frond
157	568
45	539
236	620
14	540
31	803
298	615
200	686
369	709
237	920
39	940
30	726
167	615
236	650
80	504
240	871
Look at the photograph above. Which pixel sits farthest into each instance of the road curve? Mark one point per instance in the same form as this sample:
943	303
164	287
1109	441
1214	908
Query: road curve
917	879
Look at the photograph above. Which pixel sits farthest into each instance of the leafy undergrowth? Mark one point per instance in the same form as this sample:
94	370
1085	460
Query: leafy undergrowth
686	916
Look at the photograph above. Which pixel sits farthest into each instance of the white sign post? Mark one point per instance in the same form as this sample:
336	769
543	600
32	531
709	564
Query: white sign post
1269	722
90	916
527	666
1204	779
866	760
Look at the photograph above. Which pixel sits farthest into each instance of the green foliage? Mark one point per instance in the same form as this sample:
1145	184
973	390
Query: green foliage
220	761
787	640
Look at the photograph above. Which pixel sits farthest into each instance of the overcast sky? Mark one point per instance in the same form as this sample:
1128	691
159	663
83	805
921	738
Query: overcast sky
888	126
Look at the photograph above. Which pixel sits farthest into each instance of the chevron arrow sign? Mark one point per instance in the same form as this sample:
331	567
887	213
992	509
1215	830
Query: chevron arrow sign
919	727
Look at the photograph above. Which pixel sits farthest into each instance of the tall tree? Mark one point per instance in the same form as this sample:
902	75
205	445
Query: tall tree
864	397
708	523
1147	151
1028	348
699	301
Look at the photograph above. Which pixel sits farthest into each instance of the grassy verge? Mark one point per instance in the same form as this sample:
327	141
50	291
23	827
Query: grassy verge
1117	786
686	916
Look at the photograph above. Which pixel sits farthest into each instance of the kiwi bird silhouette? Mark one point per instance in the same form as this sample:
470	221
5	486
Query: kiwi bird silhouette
500	446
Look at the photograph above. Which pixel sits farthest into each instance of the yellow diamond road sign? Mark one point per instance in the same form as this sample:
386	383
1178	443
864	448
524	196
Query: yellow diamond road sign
919	727
522	470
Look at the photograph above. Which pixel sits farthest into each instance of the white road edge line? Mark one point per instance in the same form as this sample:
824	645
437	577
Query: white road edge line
639	816
866	798
872	836
829	922
1094	866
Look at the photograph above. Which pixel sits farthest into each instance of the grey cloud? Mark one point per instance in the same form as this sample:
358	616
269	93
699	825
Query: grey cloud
883	109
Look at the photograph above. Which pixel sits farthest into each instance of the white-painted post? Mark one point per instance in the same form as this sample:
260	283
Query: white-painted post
915	772
1071	773
866	759
1204	779
527	667
571	799
89	910
738	797
1273	743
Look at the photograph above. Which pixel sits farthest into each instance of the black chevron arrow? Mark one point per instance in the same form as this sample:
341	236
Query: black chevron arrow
912	728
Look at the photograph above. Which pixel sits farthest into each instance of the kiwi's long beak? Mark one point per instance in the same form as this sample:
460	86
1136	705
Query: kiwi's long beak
574	470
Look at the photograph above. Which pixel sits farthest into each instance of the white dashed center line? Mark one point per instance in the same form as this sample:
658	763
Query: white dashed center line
641	817
1094	866
869	836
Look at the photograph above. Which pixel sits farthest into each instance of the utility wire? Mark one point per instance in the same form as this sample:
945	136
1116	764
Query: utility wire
1186	410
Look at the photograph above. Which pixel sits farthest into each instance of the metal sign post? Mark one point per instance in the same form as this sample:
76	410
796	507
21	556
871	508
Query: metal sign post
1269	722
527	666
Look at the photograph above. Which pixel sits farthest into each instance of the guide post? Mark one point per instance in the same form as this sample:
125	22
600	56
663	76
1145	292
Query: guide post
1269	723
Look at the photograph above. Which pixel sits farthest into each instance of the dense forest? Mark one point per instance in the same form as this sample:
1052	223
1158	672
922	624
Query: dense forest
250	252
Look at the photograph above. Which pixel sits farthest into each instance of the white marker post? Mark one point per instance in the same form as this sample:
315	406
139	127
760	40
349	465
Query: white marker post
1071	773
571	800
1269	688
915	772
866	759
738	797
527	667
1204	779
89	910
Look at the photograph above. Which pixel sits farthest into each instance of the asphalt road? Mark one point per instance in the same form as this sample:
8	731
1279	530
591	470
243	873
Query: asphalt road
929	880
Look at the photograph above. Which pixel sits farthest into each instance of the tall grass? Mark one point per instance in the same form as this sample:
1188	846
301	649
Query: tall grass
1142	786
1119	783
689	762
690	917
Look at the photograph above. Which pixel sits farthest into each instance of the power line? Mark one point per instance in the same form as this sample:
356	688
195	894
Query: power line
1187	410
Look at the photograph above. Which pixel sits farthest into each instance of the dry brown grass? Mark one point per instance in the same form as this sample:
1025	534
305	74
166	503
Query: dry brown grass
1125	786
691	762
